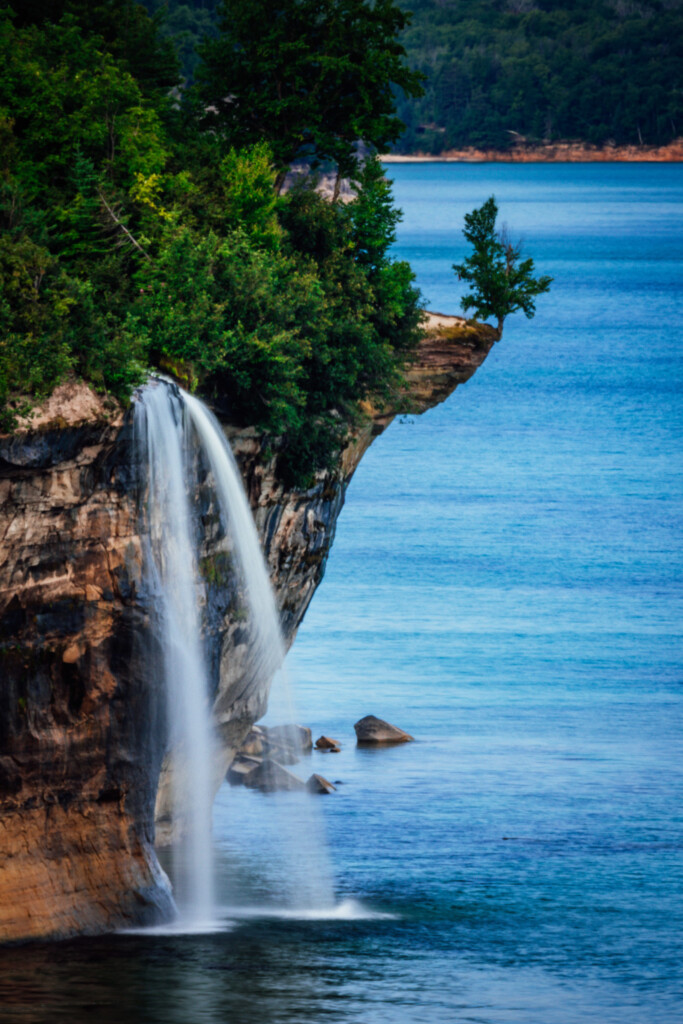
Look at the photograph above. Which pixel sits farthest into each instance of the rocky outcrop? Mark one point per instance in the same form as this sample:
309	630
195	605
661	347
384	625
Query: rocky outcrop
80	721
82	715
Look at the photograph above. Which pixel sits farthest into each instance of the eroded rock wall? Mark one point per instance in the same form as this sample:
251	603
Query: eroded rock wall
82	712
81	724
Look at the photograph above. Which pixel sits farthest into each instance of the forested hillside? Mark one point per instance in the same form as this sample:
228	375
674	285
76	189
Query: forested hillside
599	71
142	225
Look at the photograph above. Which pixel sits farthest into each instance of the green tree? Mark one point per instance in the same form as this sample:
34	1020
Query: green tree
503	282
125	29
310	77
132	237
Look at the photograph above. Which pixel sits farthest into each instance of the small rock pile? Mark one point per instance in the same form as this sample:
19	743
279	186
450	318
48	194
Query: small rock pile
261	761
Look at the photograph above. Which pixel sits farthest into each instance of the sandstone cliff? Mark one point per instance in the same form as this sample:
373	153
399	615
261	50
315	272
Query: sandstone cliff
82	717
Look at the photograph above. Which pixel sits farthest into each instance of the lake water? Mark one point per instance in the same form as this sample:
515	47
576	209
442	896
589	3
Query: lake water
506	585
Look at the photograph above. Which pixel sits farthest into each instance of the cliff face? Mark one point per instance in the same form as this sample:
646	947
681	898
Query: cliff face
82	717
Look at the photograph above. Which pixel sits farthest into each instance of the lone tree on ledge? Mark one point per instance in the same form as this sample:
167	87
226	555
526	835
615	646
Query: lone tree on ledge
502	284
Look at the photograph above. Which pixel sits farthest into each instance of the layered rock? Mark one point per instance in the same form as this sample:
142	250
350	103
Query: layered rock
82	716
80	722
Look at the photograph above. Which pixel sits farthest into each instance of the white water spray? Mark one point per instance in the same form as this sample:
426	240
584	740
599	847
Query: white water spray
161	440
303	855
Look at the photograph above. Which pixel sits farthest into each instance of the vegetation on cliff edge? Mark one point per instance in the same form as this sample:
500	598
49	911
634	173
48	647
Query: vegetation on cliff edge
134	235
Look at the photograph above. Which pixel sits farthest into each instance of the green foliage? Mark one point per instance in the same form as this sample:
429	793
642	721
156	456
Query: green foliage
33	353
593	70
75	128
250	201
502	284
187	23
236	313
311	77
123	28
134	238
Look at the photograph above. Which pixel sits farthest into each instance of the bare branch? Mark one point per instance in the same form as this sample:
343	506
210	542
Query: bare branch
122	227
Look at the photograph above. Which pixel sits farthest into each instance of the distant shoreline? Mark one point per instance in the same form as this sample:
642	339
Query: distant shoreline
560	152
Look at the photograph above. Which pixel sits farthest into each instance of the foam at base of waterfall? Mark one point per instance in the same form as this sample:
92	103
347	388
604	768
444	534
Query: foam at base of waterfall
227	919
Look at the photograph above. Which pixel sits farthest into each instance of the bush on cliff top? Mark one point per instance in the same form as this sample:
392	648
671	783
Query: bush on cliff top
132	238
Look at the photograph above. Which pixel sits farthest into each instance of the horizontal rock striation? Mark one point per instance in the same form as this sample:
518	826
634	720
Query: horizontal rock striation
79	719
82	712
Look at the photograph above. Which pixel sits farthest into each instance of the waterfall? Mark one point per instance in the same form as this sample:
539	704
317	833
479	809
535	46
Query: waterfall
162	443
175	434
267	645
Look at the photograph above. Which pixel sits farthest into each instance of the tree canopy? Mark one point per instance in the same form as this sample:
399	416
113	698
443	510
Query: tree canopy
598	71
498	71
311	77
133	237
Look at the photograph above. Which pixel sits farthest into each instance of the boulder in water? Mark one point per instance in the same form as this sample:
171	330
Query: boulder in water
283	755
317	784
371	731
271	777
298	737
253	744
240	768
328	745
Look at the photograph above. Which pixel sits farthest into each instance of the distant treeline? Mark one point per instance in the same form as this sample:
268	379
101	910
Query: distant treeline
598	71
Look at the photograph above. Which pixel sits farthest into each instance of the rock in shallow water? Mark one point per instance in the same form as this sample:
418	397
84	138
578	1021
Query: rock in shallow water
299	737
318	784
240	768
327	744
254	743
271	777
372	730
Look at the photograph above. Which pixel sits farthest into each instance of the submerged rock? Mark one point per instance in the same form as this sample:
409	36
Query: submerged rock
372	730
271	777
328	745
283	755
318	784
298	737
240	768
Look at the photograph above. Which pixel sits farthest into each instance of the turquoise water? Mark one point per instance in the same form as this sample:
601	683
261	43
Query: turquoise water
506	585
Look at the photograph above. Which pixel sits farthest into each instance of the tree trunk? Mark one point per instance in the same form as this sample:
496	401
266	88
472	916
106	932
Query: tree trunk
499	327
280	180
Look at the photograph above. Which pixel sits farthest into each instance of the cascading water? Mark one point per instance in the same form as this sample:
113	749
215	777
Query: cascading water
162	442
267	645
305	857
175	433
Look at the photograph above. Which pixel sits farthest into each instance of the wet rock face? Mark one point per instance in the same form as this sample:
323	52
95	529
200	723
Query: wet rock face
81	724
82	712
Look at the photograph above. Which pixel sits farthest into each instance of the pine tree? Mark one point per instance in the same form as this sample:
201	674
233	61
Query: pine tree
502	284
